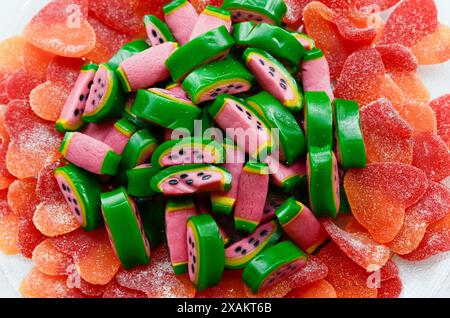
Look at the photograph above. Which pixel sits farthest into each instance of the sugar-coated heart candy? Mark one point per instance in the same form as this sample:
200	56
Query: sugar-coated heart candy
64	71
49	260
397	57
411	85
11	54
47	100
435	47
391	288
9	227
5	177
419	116
114	290
230	286
20	84
441	108
319	289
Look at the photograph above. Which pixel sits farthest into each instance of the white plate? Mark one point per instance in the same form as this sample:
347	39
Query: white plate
430	278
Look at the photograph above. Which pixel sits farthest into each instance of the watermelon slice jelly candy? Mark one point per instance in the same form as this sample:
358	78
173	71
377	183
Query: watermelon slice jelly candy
246	127
301	225
177	89
125	229
223	202
323	181
181	18
157	31
139	149
146	68
163	108
287	178
89	153
249	205
274	201
350	149
191	178
274	40
380	193
274	78
315	73
105	98
441	108
82	193
178	211
241	252
273	265
387	137
128	50
307	43
119	135
205	251
318	119
271	11
222	77
188	150
290	135
71	114
210	19
210	46
137	180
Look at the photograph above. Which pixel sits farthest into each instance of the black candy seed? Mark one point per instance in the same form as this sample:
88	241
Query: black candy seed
251	240
69	199
192	268
74	201
256	243
259	19
90	84
283	86
218	89
283	80
239	14
190	240
99	80
261	61
238	249
207	177
263	233
161	40
244	251
77	211
231	86
239	107
250	16
154	33
64	187
226	91
173	182
271	74
76	112
190	181
181	152
266	211
184	176
239	87
194	259
270	282
200	174
248	114
81	97
271	69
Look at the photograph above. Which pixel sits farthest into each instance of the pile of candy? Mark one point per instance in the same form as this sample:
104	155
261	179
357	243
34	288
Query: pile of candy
334	158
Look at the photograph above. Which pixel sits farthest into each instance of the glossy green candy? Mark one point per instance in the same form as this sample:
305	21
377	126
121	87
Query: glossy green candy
132	118
221	77
205	250
162	108
323	181
344	207
82	193
269	11
318	120
203	49
157	31
275	40
139	149
127	51
291	137
188	150
138	180
125	229
154	209
273	265
153	230
350	149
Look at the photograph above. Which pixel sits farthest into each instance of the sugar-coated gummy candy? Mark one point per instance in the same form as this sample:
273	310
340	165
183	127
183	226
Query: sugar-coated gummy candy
29	236
419	116
54	218
9	227
5	177
433	48
36	60
380	193
391	288
114	290
49	260
432	156
64	71
20	84
11	54
397	57
47	100
230	286
441	108
387	136
318	289
411	85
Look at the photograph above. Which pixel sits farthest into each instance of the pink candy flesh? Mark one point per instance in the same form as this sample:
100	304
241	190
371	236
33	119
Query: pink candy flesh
244	15
282	273
154	37
206	22
279	173
194	155
71	200
181	22
98	91
316	76
198	185
233	89
116	140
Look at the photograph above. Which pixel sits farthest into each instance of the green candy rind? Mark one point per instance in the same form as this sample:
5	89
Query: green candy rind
111	163
152	230
173	5
125	126
127	51
161	26
124	228
314	54
89	190
349	138
275	40
154	209
138	180
201	50
164	110
140	146
269	261
213	75
272	9
210	251
114	105
193	142
291	137
169	172
320	180
318	120
132	118
295	182
288	210
344	207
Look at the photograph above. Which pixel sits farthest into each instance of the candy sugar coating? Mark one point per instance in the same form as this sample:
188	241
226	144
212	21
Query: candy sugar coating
54	218
126	51
163	108
181	18
431	155
120	135
318	116
248	125
249	205
273	77
81	191
114	290
146	68
273	265
210	19
11	53
397	57
47	100
210	46
359	246
5	177
318	289
125	229
391	288
89	154
206	254
64	71
139	149
433	48
105	98
413	88
49	260
379	194
241	252
271	11
221	77
9	227
187	151
230	286
300	224
441	108
387	136
323	181
20	84
52	29
315	73
419	116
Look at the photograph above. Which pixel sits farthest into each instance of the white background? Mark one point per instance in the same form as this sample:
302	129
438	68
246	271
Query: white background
430	278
